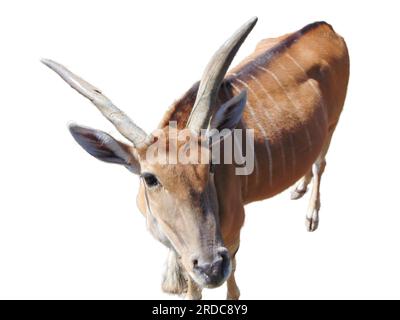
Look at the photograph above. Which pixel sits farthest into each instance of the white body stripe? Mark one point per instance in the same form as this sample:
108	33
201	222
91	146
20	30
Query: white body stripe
293	154
273	75
269	118
266	140
255	158
239	149
316	120
298	65
309	141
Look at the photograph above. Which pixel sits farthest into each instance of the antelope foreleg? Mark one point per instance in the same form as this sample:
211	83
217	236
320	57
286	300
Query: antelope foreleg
193	290
174	281
233	290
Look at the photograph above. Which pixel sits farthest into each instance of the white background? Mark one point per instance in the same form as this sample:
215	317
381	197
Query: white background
69	226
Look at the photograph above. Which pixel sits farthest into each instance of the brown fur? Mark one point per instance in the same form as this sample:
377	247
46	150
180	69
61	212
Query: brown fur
296	86
323	56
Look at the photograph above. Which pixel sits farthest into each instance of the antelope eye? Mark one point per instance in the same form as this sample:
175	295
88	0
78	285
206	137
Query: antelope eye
150	180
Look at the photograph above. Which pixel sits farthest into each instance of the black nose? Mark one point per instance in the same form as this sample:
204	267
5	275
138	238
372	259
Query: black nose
214	272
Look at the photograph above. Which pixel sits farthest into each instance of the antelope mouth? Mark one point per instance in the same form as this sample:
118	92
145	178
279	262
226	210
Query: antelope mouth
212	274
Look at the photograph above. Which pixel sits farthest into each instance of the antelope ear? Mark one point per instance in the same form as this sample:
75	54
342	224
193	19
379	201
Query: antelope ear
226	118
229	114
104	147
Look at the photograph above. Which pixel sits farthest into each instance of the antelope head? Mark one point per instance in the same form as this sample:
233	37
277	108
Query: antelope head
179	200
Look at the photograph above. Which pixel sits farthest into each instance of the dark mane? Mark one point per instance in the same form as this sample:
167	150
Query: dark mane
180	109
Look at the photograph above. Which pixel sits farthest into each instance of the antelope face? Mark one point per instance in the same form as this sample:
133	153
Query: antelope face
181	207
179	198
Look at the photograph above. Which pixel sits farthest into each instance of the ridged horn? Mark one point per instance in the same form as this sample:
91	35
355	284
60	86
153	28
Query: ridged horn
213	76
117	117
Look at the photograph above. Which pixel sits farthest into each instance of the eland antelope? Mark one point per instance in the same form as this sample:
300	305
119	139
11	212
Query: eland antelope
290	91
